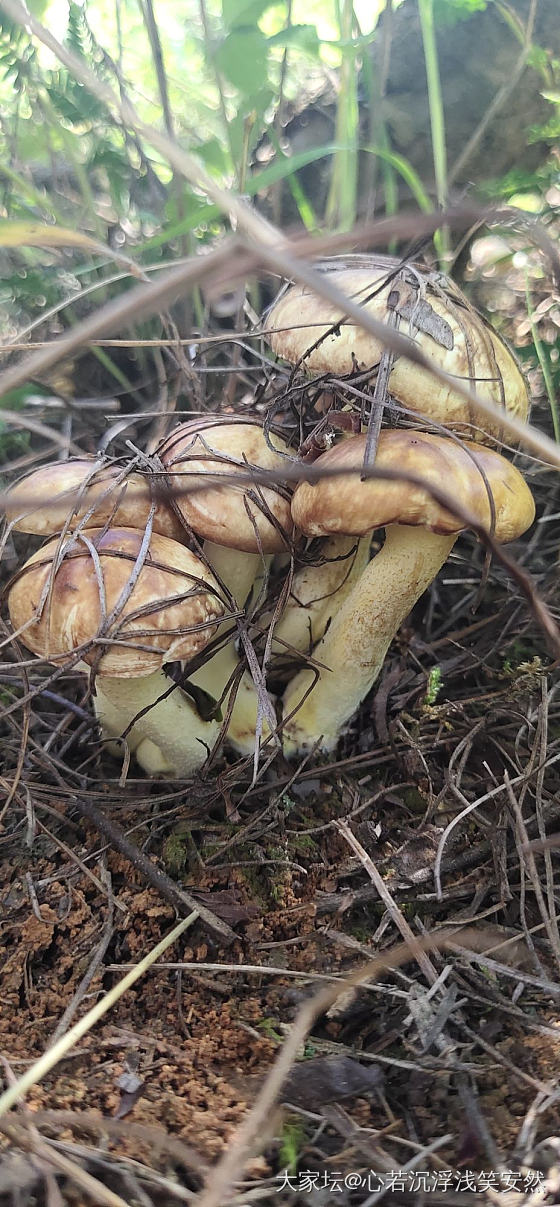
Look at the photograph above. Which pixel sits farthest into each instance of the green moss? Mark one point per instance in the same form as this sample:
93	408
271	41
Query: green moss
434	685
178	849
360	932
269	1027
291	1143
414	800
302	844
174	852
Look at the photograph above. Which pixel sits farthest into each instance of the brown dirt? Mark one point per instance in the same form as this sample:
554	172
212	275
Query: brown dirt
185	1053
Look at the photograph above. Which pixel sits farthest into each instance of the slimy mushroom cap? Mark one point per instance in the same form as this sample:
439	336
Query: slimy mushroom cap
344	503
227	514
45	500
156	620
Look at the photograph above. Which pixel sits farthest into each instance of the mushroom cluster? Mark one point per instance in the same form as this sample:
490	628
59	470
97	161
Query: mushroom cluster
419	536
167	561
350	626
118	592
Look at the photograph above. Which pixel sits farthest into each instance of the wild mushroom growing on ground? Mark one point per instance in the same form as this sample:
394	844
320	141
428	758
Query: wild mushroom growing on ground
419	536
318	591
89	491
125	606
242	526
304	329
431	310
239	523
319	587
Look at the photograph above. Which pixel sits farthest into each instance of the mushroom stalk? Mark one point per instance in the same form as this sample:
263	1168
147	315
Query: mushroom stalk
240	522
238	571
241	573
169	739
354	648
213	678
318	591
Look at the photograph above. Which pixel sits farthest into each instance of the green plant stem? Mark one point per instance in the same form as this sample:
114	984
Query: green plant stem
544	364
288	167
437	115
35	198
408	173
51	117
209	55
375	84
343	192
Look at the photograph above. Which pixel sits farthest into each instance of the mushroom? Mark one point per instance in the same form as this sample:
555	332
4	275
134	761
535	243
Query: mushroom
317	591
125	606
429	307
419	536
242	525
239	523
90	492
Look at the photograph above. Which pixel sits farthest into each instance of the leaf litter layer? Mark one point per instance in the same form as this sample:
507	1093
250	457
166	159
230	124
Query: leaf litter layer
423	820
434	814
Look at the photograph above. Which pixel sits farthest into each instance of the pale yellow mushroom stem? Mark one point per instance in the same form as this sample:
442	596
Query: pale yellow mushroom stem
242	574
354	648
319	591
169	739
238	571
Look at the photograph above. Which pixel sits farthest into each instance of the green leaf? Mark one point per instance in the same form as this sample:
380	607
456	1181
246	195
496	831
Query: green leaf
243	12
449	12
203	211
13	443
77	35
242	59
405	169
538	59
16	400
214	155
547	133
243	130
36	234
117	168
303	37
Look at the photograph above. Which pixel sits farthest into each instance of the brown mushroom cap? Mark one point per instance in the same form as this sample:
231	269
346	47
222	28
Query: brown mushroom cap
447	331
150	621
228	515
348	505
43	501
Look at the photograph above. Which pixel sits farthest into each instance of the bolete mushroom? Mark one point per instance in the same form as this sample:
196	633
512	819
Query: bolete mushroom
92	492
419	536
241	524
430	309
125	607
317	591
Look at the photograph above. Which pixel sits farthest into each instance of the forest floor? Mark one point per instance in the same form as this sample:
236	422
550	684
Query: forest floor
445	1068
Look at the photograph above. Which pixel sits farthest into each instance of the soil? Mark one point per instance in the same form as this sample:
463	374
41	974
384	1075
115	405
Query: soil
151	1097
